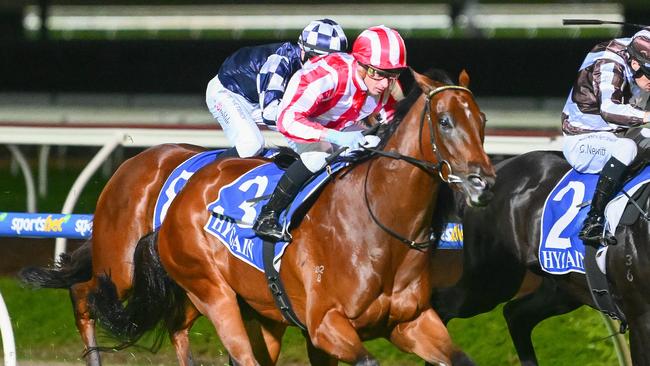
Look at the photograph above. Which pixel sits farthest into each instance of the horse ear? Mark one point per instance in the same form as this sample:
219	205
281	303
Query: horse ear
463	79
424	82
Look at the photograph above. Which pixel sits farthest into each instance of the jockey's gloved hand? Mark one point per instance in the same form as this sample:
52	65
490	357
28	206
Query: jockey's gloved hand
371	141
351	139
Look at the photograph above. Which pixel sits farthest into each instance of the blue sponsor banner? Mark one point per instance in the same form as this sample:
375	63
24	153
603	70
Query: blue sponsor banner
46	225
452	236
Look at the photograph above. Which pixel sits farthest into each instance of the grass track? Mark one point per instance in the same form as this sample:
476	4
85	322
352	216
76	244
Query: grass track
44	330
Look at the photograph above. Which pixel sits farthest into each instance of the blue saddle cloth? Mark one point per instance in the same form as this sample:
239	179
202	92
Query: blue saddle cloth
239	203
560	249
179	177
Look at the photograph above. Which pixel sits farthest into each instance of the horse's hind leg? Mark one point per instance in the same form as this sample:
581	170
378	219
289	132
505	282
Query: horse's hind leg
522	315
265	335
85	323
180	337
427	337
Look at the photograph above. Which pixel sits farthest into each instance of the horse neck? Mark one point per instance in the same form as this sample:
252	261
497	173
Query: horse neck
409	190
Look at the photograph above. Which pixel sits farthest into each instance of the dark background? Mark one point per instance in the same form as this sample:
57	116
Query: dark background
499	67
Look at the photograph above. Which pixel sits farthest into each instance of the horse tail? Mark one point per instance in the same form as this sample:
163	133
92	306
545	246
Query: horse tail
155	303
70	269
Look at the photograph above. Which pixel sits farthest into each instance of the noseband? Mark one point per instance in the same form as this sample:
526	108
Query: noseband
440	167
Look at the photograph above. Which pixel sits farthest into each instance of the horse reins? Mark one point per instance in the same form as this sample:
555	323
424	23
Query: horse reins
424	165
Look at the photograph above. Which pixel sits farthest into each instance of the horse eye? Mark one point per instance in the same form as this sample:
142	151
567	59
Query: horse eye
445	122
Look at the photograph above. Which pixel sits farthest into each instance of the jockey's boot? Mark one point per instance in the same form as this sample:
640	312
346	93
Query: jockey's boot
266	226
609	183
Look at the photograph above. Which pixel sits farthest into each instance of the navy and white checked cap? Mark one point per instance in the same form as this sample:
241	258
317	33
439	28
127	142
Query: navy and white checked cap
323	36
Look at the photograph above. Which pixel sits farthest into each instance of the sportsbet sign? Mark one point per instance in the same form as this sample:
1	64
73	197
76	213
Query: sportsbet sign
46	225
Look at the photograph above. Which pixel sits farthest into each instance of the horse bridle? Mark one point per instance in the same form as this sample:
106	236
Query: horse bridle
424	165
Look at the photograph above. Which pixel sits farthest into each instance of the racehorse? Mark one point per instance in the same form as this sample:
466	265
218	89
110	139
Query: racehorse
123	215
371	285
502	261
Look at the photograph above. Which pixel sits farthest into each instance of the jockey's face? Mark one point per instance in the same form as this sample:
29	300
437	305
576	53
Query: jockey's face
643	80
377	81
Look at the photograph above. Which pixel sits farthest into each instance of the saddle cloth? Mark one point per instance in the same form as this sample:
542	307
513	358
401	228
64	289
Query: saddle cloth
179	177
560	249
238	204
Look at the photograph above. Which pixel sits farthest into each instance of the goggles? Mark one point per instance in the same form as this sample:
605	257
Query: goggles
379	75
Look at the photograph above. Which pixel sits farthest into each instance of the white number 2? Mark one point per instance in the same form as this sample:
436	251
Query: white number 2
554	240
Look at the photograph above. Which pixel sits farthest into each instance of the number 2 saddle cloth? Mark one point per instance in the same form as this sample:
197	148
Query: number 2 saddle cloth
560	249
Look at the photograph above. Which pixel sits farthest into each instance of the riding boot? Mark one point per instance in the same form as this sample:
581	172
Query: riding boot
609	183
266	226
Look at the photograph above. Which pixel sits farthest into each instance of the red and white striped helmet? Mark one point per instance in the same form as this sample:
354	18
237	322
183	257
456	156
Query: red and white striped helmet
380	47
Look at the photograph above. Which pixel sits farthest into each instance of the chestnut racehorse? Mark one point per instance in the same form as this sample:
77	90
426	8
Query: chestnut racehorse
372	285
124	214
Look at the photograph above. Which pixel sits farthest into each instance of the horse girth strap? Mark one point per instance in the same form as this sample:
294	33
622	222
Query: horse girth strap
275	286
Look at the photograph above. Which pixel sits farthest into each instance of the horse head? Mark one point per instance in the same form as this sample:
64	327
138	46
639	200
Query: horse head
452	132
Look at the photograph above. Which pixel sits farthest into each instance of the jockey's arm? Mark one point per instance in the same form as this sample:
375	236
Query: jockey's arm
610	91
303	97
271	80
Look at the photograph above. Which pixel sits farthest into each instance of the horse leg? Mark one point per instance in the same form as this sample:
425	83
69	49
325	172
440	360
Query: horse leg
180	337
218	302
85	323
265	335
523	314
640	338
427	337
318	357
336	336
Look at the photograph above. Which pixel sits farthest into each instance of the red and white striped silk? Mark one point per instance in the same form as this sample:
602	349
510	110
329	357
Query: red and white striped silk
328	93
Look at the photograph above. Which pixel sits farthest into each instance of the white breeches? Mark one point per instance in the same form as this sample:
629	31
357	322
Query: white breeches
238	118
588	153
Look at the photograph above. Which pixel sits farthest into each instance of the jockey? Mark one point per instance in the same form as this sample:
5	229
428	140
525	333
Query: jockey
607	99
330	94
250	83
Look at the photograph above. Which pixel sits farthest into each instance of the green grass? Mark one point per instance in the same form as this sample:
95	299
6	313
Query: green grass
44	329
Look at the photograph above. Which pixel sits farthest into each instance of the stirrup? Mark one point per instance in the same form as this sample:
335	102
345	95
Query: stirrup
592	233
267	228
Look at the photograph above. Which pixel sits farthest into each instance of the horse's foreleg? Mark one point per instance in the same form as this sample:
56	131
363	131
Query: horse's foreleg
522	315
319	357
85	323
427	337
180	337
335	335
640	338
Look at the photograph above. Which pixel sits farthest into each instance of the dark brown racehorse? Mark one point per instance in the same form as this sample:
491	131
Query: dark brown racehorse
372	284
124	214
501	261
